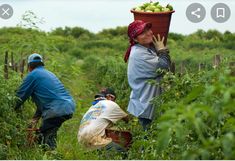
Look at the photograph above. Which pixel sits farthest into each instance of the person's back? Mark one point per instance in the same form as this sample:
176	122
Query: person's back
100	116
49	94
96	120
142	66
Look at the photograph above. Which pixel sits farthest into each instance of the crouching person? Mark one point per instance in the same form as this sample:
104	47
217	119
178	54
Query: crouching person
100	116
54	103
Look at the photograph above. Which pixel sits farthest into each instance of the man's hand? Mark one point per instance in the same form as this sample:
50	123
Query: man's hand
126	119
33	122
158	43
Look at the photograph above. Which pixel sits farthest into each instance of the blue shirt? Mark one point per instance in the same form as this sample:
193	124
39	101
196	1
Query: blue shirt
48	93
143	64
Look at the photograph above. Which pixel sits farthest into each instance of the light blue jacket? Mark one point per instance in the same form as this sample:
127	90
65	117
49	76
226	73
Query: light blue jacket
48	93
142	66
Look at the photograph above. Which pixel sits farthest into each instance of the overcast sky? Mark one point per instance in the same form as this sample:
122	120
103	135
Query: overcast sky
96	15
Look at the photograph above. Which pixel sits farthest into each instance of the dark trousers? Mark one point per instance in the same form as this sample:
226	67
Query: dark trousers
115	146
49	128
145	123
108	152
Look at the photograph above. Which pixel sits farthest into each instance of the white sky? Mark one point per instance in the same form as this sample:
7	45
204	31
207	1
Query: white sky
96	15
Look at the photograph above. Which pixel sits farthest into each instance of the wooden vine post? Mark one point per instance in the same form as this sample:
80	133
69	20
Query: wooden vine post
6	65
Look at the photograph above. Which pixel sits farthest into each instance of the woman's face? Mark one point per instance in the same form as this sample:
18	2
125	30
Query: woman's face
145	38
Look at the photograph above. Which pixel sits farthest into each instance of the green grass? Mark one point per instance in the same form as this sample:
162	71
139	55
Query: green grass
89	62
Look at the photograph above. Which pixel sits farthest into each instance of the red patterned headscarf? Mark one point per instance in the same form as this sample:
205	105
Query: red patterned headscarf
134	29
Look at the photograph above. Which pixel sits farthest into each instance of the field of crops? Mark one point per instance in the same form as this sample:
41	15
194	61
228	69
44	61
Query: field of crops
195	115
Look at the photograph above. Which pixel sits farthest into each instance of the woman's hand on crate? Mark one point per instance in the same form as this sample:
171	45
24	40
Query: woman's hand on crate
158	43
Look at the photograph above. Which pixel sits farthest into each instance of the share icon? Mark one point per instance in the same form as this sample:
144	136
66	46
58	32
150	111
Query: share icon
196	12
